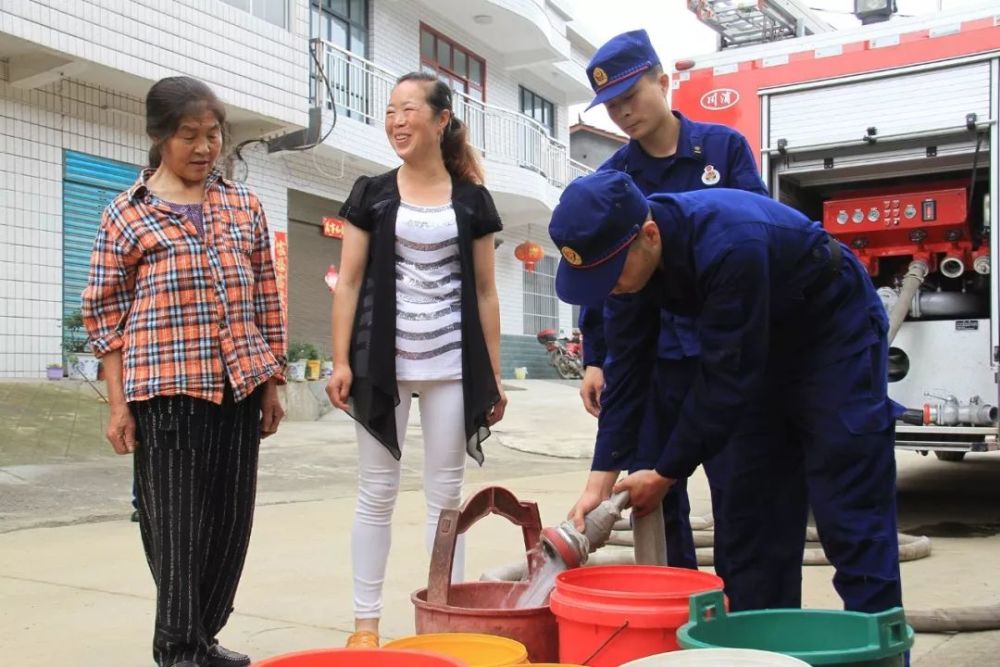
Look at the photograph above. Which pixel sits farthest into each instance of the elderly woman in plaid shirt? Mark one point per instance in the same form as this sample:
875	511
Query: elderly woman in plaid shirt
183	307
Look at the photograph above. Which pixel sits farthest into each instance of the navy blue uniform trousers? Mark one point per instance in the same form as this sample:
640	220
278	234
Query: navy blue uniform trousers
812	440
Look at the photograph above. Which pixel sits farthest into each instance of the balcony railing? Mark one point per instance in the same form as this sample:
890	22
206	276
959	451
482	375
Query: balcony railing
361	90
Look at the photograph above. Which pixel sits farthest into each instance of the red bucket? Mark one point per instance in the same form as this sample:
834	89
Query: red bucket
359	657
608	615
478	606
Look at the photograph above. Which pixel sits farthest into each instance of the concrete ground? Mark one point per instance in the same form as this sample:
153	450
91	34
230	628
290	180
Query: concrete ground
75	589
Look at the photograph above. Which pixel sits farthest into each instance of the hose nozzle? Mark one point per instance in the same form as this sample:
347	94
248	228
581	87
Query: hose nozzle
566	543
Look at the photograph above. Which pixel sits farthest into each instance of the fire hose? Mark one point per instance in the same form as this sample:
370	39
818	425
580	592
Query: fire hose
910	547
912	281
604	526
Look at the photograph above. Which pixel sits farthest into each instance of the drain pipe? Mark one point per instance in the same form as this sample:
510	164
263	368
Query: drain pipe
914	277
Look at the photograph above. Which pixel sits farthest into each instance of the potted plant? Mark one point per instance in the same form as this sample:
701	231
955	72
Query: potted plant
326	368
313	363
298	355
82	364
54	371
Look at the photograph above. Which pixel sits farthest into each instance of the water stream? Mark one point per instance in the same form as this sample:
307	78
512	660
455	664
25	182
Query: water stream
540	584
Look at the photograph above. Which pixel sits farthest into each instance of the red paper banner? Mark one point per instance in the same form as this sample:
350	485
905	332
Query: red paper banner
281	269
333	227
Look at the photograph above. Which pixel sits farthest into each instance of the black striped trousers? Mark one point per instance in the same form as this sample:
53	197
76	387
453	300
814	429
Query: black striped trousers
196	473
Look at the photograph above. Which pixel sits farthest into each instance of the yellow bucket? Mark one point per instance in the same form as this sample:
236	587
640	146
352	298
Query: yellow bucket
477	650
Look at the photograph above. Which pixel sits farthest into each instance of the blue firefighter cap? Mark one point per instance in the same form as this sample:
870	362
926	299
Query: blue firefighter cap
619	63
597	218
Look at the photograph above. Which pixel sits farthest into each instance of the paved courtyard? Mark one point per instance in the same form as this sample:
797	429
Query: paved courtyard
75	589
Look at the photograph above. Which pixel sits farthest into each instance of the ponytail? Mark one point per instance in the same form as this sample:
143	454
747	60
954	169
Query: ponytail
461	158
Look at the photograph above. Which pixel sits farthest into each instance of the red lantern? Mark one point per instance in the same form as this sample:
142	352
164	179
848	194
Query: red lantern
530	253
331	277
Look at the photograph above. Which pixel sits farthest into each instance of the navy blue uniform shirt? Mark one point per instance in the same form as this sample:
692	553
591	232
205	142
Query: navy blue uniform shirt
756	275
617	338
708	156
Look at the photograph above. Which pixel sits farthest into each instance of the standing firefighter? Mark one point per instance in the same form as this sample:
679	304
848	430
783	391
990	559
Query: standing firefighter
667	153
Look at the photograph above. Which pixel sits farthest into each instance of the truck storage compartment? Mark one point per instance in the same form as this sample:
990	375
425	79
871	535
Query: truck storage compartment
917	208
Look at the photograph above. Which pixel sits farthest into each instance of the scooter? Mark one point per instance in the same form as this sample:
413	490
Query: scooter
565	354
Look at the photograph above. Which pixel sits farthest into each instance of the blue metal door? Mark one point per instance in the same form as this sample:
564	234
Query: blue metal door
89	185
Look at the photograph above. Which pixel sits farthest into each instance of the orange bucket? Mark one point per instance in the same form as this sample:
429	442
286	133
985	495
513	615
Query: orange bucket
609	615
472	649
354	657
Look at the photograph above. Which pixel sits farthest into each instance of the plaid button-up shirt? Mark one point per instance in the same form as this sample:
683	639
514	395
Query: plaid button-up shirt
188	310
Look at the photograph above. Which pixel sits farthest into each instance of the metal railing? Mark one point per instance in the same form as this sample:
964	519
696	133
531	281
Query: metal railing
361	90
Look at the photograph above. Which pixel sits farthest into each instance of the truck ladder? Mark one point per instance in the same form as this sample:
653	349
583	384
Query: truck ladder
744	22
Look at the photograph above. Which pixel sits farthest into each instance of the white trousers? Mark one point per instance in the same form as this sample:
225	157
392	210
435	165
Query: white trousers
442	424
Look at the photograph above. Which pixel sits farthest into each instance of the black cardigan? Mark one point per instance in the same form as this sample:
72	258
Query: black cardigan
372	206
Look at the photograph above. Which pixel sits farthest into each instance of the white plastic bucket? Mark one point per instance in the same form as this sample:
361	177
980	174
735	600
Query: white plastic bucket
715	657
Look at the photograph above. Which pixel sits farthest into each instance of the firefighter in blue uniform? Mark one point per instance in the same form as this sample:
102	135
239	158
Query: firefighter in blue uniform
793	348
666	153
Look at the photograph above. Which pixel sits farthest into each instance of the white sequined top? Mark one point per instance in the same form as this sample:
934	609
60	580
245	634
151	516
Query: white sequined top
428	294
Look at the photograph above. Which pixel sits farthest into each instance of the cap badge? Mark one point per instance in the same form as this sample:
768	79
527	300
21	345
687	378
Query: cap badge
600	76
572	256
711	176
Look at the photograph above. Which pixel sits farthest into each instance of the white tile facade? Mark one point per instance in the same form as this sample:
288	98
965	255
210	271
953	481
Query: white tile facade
264	71
35	127
250	63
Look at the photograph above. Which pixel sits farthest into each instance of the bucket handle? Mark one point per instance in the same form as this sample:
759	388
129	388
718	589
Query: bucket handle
607	641
707	607
453	522
892	630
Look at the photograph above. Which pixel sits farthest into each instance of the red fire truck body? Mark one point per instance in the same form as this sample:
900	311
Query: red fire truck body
888	134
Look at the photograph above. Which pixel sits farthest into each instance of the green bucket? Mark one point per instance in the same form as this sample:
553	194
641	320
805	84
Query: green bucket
819	637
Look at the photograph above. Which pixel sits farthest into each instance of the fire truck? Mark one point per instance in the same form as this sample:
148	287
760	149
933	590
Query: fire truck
887	133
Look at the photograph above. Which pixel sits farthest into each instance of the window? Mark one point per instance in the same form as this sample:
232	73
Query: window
343	23
272	11
461	69
537	107
541	306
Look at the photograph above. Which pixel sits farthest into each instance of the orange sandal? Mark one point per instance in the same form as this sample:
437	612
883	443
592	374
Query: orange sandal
363	639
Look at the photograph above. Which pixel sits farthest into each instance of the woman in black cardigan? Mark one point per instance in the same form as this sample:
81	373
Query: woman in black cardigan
416	313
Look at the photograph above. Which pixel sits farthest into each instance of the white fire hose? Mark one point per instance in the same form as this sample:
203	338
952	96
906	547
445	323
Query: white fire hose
912	281
961	619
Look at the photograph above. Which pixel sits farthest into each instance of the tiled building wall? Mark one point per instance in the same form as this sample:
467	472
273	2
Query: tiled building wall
250	63
395	46
37	126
